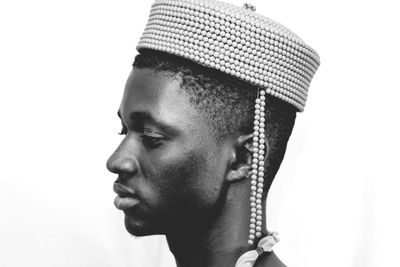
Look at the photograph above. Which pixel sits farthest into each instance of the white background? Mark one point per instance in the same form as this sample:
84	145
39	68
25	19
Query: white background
63	66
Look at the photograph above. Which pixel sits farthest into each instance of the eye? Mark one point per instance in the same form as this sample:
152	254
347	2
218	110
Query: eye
151	142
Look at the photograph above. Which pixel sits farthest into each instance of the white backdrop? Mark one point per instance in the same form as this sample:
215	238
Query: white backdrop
63	66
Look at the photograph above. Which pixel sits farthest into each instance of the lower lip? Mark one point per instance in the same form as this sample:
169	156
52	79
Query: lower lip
124	203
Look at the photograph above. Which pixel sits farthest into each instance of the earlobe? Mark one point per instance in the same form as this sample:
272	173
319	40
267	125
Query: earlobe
240	161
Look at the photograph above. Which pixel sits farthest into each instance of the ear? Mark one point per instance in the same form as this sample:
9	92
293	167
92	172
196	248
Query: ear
240	158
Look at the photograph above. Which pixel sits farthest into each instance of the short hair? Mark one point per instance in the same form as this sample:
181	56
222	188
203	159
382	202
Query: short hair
227	103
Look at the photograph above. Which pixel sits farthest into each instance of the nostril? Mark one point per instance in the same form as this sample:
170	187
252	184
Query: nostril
126	166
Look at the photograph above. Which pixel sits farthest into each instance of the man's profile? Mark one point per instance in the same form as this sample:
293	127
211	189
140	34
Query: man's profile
206	115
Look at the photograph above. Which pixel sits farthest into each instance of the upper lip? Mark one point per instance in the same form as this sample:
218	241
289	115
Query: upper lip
123	191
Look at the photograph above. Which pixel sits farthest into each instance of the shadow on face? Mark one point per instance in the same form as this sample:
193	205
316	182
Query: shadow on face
170	168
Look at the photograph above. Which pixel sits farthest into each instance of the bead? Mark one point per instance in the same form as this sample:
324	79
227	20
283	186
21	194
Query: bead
275	58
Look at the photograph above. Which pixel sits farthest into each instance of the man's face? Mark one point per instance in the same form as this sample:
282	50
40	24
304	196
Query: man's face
170	169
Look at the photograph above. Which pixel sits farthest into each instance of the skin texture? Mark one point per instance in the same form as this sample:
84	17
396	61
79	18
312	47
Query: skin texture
185	185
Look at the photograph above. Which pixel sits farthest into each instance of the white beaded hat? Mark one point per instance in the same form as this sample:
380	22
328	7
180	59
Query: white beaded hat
236	41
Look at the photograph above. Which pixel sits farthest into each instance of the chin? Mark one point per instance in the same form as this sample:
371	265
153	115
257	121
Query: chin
138	228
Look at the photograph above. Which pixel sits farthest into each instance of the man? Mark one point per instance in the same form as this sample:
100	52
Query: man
207	112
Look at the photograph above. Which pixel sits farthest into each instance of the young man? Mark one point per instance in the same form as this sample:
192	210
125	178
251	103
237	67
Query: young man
207	112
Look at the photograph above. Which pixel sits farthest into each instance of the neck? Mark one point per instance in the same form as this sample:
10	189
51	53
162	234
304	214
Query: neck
220	241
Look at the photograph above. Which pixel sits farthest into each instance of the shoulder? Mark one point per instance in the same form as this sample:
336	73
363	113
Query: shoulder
269	259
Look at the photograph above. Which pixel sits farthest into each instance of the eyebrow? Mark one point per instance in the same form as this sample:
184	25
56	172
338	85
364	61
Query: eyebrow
142	117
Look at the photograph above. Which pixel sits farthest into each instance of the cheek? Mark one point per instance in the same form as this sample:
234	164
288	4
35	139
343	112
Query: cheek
181	181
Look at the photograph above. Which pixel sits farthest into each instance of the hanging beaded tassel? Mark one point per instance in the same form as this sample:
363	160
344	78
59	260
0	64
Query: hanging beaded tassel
257	173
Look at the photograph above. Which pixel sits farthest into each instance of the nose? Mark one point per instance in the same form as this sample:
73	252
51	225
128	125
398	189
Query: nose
123	161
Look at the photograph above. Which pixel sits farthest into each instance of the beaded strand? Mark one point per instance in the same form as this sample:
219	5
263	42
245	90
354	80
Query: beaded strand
257	172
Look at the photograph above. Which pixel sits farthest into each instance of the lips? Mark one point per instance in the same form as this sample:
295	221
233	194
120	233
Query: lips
126	198
125	203
123	191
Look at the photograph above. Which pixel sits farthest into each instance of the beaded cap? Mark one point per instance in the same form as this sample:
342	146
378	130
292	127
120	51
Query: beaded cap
234	40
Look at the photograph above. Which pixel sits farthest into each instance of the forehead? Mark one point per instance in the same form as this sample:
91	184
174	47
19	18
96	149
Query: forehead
159	93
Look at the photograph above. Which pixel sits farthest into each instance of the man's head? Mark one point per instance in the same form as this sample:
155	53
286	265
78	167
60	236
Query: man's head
180	170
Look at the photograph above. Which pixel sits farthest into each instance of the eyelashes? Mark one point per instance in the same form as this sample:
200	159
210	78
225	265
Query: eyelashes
124	130
149	141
